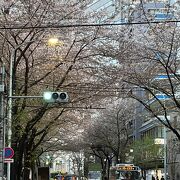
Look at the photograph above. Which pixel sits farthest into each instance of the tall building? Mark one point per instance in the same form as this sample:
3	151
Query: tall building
114	10
128	10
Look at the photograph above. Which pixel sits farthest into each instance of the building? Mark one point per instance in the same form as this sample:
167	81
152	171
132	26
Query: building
65	162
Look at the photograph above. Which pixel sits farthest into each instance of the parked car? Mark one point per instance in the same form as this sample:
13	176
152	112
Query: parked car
65	177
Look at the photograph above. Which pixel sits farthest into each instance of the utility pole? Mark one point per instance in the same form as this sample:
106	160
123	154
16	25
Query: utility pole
165	153
2	122
9	122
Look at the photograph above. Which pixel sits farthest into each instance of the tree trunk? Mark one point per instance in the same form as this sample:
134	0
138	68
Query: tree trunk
16	170
22	165
26	173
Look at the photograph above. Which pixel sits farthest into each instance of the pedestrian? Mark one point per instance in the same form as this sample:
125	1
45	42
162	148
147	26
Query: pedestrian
153	178
162	178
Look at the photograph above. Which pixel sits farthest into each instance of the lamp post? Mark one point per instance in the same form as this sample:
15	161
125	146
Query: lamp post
163	141
9	121
165	153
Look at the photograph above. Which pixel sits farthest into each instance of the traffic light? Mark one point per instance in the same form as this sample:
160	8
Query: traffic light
53	97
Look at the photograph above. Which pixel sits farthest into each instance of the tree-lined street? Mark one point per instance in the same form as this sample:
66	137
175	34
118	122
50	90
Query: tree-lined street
82	92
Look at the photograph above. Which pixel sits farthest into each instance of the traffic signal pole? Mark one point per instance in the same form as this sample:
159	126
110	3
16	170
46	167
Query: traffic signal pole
10	97
2	122
9	121
62	97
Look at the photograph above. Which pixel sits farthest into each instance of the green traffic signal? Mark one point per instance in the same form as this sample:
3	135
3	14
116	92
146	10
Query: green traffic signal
55	97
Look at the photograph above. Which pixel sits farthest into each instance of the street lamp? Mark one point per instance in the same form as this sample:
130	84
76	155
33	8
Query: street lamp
54	41
131	150
165	153
163	141
9	121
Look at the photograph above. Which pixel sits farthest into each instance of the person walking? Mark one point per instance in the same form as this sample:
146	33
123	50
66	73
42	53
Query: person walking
162	178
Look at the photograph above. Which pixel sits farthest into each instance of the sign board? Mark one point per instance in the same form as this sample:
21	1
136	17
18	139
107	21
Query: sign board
8	152
126	168
159	140
8	160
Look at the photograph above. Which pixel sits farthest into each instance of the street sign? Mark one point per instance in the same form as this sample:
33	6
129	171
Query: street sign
8	152
159	140
8	160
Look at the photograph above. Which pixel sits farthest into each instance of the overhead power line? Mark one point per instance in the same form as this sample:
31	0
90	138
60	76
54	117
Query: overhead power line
56	26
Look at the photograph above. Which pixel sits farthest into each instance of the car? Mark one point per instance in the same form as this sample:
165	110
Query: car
65	177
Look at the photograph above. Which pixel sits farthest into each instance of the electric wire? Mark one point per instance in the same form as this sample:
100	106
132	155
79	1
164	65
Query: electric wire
57	26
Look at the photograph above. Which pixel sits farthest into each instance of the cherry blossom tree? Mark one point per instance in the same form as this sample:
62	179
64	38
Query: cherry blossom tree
108	135
38	67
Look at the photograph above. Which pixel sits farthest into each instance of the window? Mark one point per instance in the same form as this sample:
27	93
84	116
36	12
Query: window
160	132
175	121
163	16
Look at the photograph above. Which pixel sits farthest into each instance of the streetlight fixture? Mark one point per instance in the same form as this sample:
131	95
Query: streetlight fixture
54	41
